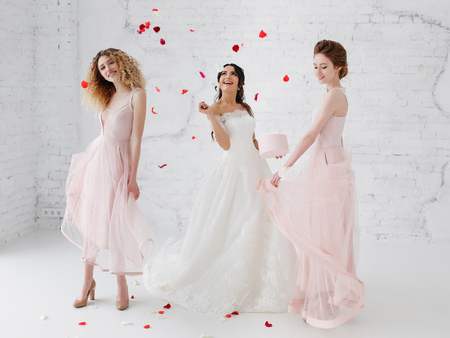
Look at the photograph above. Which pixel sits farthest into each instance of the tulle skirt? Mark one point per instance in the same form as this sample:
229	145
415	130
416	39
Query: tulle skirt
101	218
317	212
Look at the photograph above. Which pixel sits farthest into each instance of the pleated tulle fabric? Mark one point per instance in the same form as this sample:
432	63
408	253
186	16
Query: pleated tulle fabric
233	257
317	212
101	218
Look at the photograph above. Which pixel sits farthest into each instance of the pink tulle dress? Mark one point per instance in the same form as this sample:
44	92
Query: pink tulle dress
101	218
317	212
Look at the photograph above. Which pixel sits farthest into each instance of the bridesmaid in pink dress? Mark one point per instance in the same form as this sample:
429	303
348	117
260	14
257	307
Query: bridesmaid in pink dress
102	217
317	210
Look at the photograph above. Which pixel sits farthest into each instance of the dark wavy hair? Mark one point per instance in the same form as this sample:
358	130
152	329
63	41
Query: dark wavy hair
335	52
240	97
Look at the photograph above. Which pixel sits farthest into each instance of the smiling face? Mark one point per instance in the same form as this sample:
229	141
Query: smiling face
229	80
108	68
324	69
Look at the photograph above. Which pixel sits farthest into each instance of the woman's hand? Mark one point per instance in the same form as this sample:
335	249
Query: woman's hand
205	109
278	157
134	189
275	179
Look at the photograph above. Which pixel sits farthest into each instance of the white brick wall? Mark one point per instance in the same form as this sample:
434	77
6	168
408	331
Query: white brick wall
399	137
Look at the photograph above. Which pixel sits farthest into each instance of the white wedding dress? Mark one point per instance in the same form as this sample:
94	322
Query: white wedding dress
233	257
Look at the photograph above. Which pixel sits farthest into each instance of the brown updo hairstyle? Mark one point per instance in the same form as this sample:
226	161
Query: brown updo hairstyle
240	97
335	52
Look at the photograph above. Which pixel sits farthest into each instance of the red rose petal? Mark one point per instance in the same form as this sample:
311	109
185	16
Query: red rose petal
256	96
162	42
236	48
235	313
143	30
147	326
286	78
82	323
156	29
192	30
228	316
268	324
162	312
147	24
155	10
132	297
157	89
262	34
154	111
84	84
162	166
202	75
193	137
184	91
168	306
141	26
242	44
139	31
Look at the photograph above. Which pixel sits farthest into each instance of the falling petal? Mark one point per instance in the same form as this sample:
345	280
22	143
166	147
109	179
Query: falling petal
162	166
256	96
147	24
262	34
132	296
147	326
82	323
242	44
145	44
193	137
135	283
143	30
92	307
235	313
228	316
84	84
154	111
152	311
192	30
219	67
168	306
268	324
160	316
202	75
139	31
156	29
291	20
154	10
235	48
158	13
222	319
157	89
286	78
126	323
43	317
142	26
162	42
184	91
161	312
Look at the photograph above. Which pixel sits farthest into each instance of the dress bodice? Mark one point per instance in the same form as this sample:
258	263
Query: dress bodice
331	133
240	127
119	124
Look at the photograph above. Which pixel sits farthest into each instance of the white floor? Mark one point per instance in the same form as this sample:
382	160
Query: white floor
408	295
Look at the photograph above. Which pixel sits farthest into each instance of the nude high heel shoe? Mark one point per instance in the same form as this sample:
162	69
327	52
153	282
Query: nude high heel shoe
123	305
83	302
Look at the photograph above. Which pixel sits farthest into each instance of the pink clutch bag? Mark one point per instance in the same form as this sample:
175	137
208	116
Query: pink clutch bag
273	145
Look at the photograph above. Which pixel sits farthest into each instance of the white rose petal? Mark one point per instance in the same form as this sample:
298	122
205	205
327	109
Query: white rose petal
158	13
291	20
286	173
43	317
160	316
219	67
135	283
92	307
126	323
222	319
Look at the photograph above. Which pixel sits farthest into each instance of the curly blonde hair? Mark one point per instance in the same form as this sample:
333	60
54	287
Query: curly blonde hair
99	91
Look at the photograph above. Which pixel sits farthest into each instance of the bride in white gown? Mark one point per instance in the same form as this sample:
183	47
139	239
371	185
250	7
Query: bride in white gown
233	258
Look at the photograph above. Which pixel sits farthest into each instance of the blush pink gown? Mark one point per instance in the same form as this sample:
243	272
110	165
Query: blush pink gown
101	218
317	212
